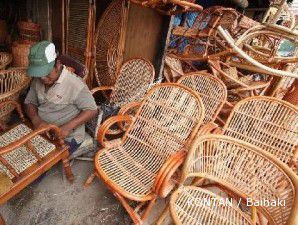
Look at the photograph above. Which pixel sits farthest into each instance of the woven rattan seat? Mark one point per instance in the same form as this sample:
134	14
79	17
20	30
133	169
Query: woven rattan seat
5	59
189	206
246	171
168	117
20	159
211	89
25	154
268	123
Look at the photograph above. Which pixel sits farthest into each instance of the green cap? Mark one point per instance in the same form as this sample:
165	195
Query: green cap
41	59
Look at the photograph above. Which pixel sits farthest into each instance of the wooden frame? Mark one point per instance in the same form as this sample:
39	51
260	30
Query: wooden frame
23	179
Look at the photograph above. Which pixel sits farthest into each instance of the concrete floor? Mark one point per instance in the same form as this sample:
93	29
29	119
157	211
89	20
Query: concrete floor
54	201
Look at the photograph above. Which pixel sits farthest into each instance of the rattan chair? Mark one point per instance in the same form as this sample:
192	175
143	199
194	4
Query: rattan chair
25	154
241	170
212	91
12	82
268	123
5	59
152	148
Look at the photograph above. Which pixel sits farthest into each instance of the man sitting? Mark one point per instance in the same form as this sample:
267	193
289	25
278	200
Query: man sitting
57	96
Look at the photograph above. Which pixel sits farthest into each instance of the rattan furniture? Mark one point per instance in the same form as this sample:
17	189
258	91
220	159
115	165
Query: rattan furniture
240	86
152	148
170	7
25	154
201	41
268	123
211	89
5	59
74	66
12	82
241	170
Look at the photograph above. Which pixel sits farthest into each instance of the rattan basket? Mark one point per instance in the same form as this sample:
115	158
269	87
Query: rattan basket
29	31
20	52
5	59
12	82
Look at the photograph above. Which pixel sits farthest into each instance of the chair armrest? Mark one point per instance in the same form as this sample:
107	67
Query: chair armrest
33	134
126	108
101	88
107	124
207	128
162	184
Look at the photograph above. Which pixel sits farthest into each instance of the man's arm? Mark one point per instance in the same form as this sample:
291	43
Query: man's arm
80	119
86	104
32	113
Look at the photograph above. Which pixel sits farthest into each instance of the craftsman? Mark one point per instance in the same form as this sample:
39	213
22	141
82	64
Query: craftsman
57	96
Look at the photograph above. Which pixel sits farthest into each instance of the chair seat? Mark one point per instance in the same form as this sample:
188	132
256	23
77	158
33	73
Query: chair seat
131	173
22	158
193	205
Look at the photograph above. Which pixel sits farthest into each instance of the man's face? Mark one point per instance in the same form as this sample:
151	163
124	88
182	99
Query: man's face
51	78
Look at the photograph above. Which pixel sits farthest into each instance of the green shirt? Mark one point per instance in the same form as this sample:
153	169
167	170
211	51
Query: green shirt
63	101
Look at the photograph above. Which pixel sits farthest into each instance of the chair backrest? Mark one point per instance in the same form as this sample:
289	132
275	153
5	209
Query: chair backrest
211	89
134	80
79	68
249	172
165	123
268	123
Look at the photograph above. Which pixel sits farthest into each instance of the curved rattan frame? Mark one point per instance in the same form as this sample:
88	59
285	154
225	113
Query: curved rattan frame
288	180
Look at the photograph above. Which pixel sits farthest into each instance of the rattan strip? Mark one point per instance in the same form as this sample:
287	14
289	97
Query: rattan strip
135	78
5	59
22	158
244	169
193	205
268	123
212	91
157	133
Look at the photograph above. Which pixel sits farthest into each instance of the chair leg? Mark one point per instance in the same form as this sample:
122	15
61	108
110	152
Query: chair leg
2	222
67	170
90	179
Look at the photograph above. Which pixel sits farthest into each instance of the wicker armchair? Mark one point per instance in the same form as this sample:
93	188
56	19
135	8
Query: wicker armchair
268	123
135	78
246	173
152	148
5	59
26	154
212	91
12	82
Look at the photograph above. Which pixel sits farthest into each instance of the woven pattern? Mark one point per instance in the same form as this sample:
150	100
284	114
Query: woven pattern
212	91
5	59
268	123
108	58
187	205
12	82
162	126
244	169
135	78
78	11
21	158
20	54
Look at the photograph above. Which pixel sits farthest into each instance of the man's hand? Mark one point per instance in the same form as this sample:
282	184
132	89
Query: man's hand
66	129
38	122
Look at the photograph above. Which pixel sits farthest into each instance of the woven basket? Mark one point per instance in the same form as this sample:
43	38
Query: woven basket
3	31
5	59
20	52
12	82
29	31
